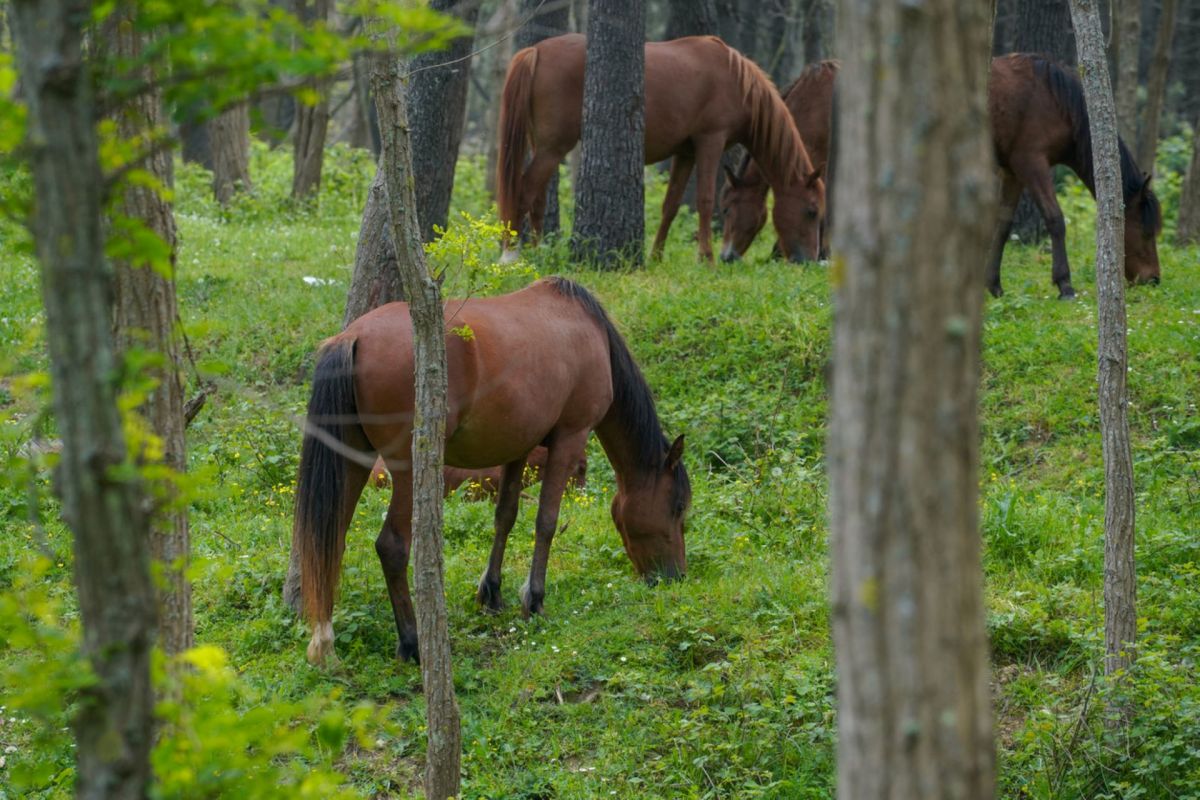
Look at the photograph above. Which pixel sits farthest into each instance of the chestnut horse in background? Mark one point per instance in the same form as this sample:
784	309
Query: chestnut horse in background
545	367
1038	119
702	96
809	99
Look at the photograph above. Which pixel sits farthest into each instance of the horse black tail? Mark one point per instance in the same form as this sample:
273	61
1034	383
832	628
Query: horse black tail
321	485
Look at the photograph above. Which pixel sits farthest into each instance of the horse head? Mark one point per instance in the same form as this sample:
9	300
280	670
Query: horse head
650	516
743	211
1143	223
799	209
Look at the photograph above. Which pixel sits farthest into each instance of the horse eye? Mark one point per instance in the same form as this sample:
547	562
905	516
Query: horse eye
812	213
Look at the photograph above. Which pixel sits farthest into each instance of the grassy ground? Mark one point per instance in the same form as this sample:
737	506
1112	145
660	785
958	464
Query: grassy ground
720	685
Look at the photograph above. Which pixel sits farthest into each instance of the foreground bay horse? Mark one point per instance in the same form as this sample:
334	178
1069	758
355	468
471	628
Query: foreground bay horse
702	96
484	484
545	366
1038	119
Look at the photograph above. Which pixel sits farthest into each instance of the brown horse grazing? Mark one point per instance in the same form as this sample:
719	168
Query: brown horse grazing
545	366
809	99
1038	119
701	97
484	484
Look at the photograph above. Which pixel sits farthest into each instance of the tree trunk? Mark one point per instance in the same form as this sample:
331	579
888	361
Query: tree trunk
106	513
1188	228
1186	63
692	18
229	145
145	317
1156	87
1120	618
312	121
443	748
365	130
609	196
552	20
818	30
914	718
437	95
1126	43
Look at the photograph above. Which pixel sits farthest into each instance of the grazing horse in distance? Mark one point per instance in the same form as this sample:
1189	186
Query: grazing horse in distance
545	366
809	99
702	96
1038	119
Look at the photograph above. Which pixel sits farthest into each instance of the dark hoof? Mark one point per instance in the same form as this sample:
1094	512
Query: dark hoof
488	595
407	650
997	290
1066	293
531	602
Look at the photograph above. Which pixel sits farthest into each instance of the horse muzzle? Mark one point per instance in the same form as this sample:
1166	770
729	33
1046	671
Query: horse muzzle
729	255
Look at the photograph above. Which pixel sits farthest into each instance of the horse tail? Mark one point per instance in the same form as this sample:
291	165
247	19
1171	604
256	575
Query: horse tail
516	109
321	485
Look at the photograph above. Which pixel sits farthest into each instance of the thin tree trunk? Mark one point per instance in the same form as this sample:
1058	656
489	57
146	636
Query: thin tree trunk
365	131
1156	87
1120	618
1126	42
609	195
312	121
1188	228
443	743
114	720
145	317
552	20
914	718
229	146
818	29
437	95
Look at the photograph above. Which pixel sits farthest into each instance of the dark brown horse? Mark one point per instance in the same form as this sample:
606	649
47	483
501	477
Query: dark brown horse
484	484
545	366
1038	119
702	96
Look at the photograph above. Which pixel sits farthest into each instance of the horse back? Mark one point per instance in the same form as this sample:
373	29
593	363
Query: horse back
1026	121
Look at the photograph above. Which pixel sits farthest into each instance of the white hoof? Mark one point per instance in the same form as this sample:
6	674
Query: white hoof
320	647
509	256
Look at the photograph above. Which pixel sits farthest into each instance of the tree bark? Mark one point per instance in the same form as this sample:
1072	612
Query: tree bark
1188	228
1120	617
312	121
443	744
1126	45
818	30
552	20
691	18
1156	87
437	95
609	195
229	148
103	506
145	316
365	130
908	617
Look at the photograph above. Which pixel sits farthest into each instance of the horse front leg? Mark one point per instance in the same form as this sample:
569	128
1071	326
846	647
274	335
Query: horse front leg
561	461
1040	182
1010	194
392	546
708	157
508	501
681	170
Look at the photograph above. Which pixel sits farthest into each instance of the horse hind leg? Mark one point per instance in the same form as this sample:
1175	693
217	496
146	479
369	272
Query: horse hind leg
320	646
1010	193
508	501
561	461
393	546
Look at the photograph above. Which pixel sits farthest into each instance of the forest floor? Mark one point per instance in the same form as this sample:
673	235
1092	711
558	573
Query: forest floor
717	686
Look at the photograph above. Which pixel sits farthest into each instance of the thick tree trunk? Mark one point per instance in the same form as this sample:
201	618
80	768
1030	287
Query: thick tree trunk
1120	618
1156	87
818	29
443	743
609	195
437	95
691	18
1126	44
145	317
552	20
113	725
312	121
1188	229
365	130
229	146
914	718
1186	63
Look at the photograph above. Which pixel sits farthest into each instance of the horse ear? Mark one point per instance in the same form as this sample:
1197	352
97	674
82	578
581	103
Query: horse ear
1146	178
675	453
731	176
817	173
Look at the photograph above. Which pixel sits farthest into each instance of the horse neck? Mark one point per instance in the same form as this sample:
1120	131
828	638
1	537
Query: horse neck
781	166
773	141
622	450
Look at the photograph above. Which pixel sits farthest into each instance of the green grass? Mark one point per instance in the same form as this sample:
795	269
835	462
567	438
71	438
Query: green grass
720	685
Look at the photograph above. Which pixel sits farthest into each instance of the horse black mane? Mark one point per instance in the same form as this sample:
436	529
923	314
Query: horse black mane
631	395
1067	91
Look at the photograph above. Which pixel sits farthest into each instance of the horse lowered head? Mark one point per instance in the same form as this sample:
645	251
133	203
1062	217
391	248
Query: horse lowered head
799	209
650	517
1143	223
